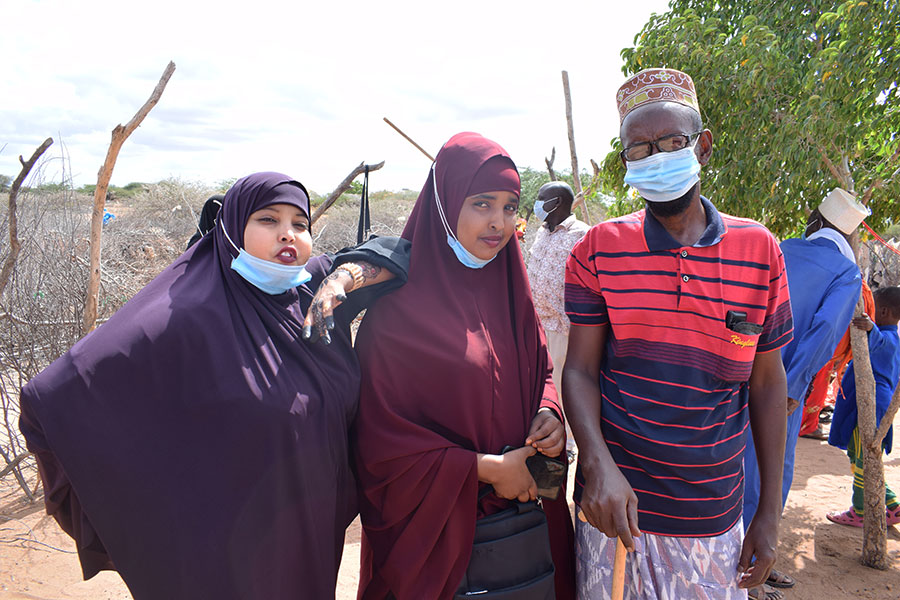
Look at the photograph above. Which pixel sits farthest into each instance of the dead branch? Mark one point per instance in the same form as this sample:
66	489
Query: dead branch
345	185
15	462
596	168
409	139
888	418
549	162
576	175
14	245
119	135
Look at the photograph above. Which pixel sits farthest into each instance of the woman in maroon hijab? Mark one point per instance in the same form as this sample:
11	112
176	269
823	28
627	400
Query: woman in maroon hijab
455	368
193	442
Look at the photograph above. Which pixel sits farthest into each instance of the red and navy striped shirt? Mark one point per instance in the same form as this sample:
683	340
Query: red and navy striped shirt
673	377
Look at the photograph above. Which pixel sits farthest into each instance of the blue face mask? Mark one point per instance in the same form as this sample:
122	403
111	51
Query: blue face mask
270	277
664	176
462	255
539	211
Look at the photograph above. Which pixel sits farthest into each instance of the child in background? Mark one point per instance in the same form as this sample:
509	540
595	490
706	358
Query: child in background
884	352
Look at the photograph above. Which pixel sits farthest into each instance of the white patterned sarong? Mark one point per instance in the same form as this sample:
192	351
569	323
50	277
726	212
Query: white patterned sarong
661	567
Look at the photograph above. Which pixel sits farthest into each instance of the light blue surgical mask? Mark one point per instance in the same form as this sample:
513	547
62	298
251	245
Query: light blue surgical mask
462	255
539	211
664	176
270	277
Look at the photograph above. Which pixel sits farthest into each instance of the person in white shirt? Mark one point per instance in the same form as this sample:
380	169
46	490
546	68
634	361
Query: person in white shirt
558	234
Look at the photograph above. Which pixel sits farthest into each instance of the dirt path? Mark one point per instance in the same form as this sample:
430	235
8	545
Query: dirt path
823	557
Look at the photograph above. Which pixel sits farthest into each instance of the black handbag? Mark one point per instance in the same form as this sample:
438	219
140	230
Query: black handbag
510	556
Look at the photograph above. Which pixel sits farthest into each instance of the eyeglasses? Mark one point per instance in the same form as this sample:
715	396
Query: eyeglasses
667	143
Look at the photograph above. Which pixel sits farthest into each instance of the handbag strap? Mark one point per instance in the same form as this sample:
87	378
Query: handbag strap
364	226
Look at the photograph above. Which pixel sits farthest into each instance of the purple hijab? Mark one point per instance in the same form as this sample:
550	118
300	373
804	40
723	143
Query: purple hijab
193	442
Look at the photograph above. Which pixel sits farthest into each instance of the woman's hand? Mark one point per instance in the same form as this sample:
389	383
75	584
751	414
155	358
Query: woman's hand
319	318
547	434
509	474
333	290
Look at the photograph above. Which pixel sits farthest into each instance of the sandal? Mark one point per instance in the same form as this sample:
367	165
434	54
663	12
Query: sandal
892	515
848	517
777	579
768	593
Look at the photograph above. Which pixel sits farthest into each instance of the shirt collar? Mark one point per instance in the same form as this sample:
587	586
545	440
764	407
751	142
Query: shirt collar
839	240
564	224
658	238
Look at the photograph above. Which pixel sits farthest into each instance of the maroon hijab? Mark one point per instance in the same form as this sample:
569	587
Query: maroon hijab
454	363
193	442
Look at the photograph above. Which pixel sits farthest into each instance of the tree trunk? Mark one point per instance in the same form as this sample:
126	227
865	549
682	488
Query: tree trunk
119	135
576	175
14	244
874	550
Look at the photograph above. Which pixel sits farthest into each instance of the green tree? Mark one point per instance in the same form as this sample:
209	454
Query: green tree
800	97
5	182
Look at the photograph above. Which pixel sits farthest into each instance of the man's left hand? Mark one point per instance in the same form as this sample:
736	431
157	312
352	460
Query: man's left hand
547	433
760	543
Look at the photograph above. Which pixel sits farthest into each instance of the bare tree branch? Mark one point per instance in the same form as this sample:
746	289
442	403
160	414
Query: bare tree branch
344	186
549	162
14	245
408	139
15	462
119	135
888	418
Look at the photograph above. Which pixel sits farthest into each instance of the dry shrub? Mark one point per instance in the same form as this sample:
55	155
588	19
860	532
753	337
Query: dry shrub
41	308
40	314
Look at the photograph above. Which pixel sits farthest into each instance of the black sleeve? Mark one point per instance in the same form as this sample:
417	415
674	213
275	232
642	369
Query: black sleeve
391	253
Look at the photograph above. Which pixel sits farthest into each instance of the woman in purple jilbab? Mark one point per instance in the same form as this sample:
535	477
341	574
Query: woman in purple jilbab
194	443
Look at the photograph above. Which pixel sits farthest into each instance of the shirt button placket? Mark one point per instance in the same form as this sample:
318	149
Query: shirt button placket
684	277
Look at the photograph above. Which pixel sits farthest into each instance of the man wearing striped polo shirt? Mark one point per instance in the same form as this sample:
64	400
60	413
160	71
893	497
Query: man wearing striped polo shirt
677	312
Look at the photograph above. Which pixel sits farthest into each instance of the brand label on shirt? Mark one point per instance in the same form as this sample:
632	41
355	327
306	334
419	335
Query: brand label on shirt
737	340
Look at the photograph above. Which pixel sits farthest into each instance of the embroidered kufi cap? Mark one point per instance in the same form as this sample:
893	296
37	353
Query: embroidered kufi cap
656	85
843	210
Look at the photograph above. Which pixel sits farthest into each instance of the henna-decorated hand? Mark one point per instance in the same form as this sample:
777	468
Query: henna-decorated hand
319	318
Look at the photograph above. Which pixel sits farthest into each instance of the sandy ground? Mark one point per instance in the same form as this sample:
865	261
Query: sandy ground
37	559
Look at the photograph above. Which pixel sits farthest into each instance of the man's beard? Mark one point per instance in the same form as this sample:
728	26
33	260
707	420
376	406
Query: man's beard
674	207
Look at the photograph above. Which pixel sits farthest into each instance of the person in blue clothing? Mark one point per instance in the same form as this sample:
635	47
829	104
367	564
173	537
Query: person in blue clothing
824	284
884	352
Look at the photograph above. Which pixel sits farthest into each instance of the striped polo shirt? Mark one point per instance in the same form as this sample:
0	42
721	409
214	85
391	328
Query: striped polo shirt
674	375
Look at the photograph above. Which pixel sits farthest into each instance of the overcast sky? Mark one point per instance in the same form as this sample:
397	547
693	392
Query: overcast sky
262	85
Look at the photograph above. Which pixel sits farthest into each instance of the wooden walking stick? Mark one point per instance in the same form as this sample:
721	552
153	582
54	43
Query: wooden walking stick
618	583
409	139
